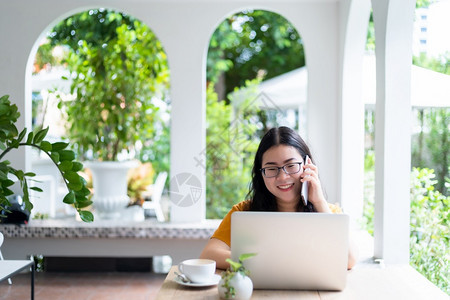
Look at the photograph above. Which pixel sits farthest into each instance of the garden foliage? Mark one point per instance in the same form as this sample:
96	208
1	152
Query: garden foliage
232	138
118	66
429	231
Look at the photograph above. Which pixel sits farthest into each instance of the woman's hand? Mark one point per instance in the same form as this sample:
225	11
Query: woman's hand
310	176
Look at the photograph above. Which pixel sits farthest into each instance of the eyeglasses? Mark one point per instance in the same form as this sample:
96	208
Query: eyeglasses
290	168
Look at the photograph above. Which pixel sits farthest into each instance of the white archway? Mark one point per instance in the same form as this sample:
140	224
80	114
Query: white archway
230	148
47	81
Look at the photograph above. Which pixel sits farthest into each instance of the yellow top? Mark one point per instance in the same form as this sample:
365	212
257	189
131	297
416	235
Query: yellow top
223	232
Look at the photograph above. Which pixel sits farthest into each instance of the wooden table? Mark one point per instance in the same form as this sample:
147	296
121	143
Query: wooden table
365	281
9	268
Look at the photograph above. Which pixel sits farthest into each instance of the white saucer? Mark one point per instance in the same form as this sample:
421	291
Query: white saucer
214	280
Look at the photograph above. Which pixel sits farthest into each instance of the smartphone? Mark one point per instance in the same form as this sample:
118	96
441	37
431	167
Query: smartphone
305	186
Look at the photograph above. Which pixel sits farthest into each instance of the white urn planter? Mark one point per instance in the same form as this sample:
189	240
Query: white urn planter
242	284
109	180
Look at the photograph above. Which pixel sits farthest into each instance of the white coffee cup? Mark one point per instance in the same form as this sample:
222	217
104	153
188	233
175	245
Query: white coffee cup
198	270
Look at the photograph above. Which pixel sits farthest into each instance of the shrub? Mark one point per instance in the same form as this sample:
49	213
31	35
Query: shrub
429	234
232	139
429	237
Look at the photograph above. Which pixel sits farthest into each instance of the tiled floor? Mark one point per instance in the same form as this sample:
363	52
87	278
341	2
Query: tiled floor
84	286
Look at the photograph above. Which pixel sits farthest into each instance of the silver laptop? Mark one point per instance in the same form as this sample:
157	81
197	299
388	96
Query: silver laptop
294	250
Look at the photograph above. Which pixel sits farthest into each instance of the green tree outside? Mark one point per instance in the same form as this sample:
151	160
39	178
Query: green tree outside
120	66
245	48
431	146
252	44
232	141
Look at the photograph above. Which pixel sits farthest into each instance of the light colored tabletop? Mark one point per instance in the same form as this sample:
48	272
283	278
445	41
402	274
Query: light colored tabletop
365	281
8	268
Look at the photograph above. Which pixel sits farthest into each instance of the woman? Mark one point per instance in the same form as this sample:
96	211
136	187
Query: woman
279	171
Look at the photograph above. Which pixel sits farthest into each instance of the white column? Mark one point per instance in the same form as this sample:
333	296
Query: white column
187	151
354	20
186	54
319	27
393	22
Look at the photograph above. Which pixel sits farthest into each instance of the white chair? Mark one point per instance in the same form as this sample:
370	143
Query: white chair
1	256
157	190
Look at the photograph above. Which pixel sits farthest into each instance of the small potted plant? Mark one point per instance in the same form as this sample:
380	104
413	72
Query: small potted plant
235	283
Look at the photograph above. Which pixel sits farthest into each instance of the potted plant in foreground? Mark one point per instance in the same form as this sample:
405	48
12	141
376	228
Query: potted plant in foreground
64	159
235	283
118	66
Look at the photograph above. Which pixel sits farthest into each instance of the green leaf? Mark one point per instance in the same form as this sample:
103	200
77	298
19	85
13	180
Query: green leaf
40	135
35	188
65	166
234	265
66	155
83	204
30	174
26	196
3	175
46	146
55	156
22	135
72	176
28	205
14	143
69	198
77	166
7	192
83	192
80	198
4	166
245	256
9	130
8	182
4	109
30	137
2	146
4	99
59	146
86	216
19	174
76	186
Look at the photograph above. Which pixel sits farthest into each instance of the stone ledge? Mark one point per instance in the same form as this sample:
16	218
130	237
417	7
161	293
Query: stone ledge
72	229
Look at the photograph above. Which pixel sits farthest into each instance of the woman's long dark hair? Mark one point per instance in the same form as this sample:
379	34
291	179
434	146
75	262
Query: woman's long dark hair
261	198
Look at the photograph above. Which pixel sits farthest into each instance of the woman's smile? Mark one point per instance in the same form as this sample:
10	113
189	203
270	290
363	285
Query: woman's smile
286	187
